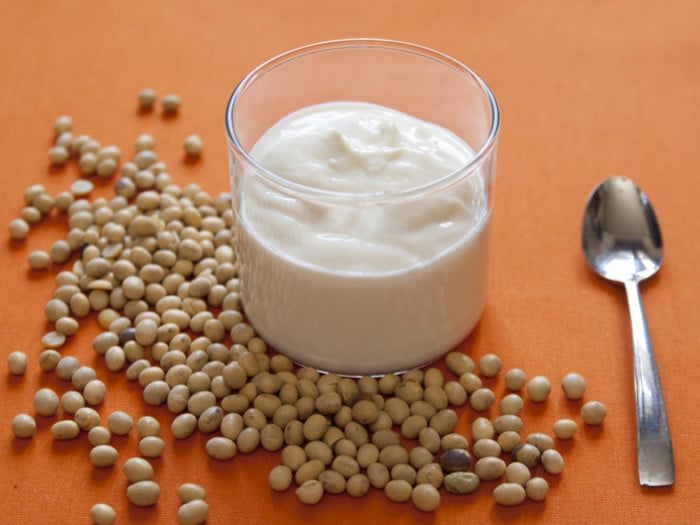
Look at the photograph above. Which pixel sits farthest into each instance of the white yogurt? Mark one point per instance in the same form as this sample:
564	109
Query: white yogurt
357	287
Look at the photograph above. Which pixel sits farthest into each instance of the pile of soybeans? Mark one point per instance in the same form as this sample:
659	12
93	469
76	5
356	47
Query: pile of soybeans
155	265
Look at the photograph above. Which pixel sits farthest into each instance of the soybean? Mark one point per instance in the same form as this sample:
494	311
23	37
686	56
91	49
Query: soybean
23	426
538	389
310	492
103	455
573	385
537	489
102	514
425	497
46	402
509	494
138	469
593	413
17	363
143	493
461	482
565	428
193	512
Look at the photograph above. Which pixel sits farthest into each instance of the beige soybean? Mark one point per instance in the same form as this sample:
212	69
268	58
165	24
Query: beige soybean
538	389
19	229
357	486
412	425
346	466
280	478
456	393
82	376
486	447
138	469
508	440
94	392
71	401
430	439
193	512
66	429
398	490
482	399
120	423
490	468
102	514
454	440
405	472
170	103
115	359
511	404
527	454
30	215
565	428
143	493
151	446
66	366
444	421
507	422
46	402
38	260
146	99
86	418
541	441
425	497
53	339
147	426
17	363
48	360
210	420
430	473
193	145
537	489
310	492
552	461
191	491
221	448
482	428
509	494
367	454
573	385
459	363
103	455
419	456
293	457
517	473
489	365
333	482
248	440
23	426
99	436
515	379
593	413
378	475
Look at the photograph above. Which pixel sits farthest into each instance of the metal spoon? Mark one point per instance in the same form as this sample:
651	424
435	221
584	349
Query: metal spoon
622	242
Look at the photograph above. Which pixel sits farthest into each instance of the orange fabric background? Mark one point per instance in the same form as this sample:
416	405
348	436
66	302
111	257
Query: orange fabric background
586	89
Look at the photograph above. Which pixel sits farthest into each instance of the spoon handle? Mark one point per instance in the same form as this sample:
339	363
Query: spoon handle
654	450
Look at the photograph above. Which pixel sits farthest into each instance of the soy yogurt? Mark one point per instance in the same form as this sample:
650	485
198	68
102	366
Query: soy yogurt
356	285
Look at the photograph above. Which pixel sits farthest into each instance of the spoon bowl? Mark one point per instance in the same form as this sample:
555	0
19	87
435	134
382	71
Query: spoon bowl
621	241
621	237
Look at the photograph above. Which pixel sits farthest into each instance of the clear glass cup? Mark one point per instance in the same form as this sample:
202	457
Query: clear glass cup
332	309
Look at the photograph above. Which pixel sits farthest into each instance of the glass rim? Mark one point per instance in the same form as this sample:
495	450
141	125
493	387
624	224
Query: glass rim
304	191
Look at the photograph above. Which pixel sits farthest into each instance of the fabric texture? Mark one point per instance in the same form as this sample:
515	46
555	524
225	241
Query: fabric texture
586	90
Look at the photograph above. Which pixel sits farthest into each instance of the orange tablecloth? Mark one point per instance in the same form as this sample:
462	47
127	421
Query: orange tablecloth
587	89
